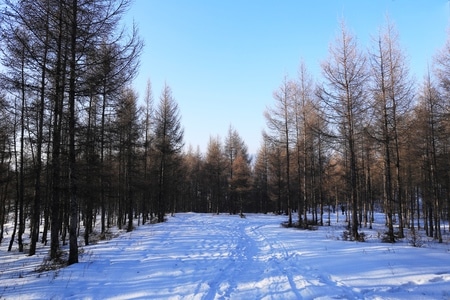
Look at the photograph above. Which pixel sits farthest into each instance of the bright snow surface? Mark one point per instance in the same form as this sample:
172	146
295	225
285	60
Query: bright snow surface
203	256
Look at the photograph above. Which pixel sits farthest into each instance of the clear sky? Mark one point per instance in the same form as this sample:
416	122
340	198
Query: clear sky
224	58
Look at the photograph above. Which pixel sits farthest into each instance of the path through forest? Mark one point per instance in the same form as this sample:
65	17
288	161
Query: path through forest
202	256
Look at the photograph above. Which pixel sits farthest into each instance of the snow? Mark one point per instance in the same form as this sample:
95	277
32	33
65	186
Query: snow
204	256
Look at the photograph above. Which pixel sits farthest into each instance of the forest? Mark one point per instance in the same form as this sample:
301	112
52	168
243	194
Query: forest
78	148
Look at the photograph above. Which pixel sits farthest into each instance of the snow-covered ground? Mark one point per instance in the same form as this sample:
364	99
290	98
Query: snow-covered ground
203	256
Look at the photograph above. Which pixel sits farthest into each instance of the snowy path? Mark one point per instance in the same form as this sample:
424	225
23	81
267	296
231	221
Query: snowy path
200	256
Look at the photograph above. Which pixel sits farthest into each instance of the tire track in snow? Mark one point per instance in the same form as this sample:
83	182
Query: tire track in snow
281	258
243	259
239	248
254	265
313	284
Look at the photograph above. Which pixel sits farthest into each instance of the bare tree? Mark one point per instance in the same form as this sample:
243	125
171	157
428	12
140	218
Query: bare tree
276	171
215	172
62	43
430	114
343	93
442	71
392	95
241	181
128	131
195	178
304	110
280	121
5	162
261	177
148	122
234	147
168	143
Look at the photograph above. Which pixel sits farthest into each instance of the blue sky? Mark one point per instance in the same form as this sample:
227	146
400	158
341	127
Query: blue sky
223	59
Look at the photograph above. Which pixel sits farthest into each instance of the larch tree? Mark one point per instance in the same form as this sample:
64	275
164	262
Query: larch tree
344	94
276	178
194	164
261	177
234	146
167	145
19	58
110	66
40	141
215	172
5	162
128	135
280	122
442	70
241	181
60	59
303	109
147	127
392	95
431	114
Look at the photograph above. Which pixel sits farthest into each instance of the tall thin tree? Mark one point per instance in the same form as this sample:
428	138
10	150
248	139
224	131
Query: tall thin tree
168	143
344	94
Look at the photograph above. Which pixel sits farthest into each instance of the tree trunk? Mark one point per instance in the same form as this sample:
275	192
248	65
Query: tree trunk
39	144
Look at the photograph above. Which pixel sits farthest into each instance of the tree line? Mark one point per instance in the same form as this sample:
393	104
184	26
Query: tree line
77	147
364	137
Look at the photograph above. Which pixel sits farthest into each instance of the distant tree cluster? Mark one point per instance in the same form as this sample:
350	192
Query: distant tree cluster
77	150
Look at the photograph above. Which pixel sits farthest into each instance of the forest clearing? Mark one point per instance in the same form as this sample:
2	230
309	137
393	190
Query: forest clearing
105	192
206	256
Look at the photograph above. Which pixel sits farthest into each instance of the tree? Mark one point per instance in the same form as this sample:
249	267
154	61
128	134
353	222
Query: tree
39	142
280	122
61	46
5	161
168	143
128	135
241	180
304	111
148	122
215	172
344	95
261	177
276	174
195	178
442	71
234	147
391	91
112	65
73	184
430	116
